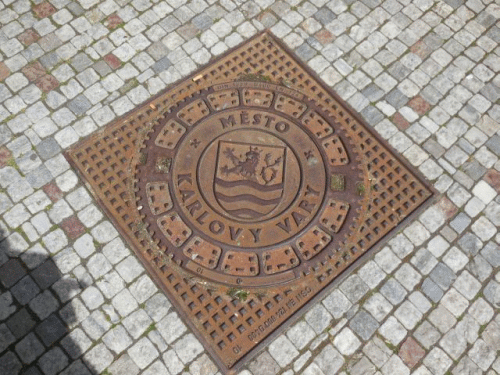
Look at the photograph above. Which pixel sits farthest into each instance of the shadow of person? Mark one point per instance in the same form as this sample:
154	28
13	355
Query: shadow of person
36	311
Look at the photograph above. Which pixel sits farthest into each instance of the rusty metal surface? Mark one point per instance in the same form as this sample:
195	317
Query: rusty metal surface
246	189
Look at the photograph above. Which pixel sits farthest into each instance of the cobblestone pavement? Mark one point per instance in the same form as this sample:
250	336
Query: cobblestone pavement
424	74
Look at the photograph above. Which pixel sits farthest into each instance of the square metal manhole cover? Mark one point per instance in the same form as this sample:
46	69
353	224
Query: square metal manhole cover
246	189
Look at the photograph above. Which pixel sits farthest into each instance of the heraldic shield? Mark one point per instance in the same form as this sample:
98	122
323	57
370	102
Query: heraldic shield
249	178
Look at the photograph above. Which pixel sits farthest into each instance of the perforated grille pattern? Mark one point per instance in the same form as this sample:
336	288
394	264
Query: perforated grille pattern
228	327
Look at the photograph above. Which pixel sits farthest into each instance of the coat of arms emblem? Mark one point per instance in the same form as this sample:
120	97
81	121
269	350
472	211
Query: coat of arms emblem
249	178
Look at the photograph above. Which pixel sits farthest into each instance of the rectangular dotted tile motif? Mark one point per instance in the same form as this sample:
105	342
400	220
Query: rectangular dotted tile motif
232	330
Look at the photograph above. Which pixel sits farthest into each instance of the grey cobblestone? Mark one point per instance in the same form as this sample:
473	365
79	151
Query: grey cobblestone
378	306
337	304
300	334
427	334
283	351
424	261
124	303
346	342
393	331
364	325
66	259
117	339
124	364
354	288
393	291
437	361
395	366
110	284
98	358
318	318
44	304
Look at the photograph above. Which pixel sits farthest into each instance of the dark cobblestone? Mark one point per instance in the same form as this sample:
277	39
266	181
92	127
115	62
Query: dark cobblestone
364	324
79	105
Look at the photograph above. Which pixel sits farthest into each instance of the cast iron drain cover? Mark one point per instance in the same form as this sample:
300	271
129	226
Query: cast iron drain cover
246	189
235	184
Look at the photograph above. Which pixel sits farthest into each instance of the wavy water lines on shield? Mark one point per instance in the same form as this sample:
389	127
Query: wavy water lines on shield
249	178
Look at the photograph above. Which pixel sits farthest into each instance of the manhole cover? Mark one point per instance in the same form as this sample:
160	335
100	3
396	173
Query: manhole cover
246	190
249	184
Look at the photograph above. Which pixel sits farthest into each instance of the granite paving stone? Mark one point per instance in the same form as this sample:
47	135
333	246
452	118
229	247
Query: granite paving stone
378	306
7	337
300	334
394	366
408	314
346	342
329	360
455	259
364	366
393	291
171	327
11	272
387	260
29	348
364	324
137	323
53	361
377	351
173	362
490	335
283	351
337	303
427	334
19	323
393	331
9	363
467	285
468	366
117	339
96	325
92	298
157	306
318	318
98	358
50	330
264	363
124	363
25	290
437	361
442	275
411	352
75	343
76	367
454	302
143	288
354	288
407	276
124	303
481	311
480	268
188	347
301	361
491	254
129	268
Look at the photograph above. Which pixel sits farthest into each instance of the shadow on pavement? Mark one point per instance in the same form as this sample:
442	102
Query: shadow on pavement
36	312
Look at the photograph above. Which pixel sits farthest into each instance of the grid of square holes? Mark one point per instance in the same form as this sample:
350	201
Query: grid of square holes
223	319
395	192
104	160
